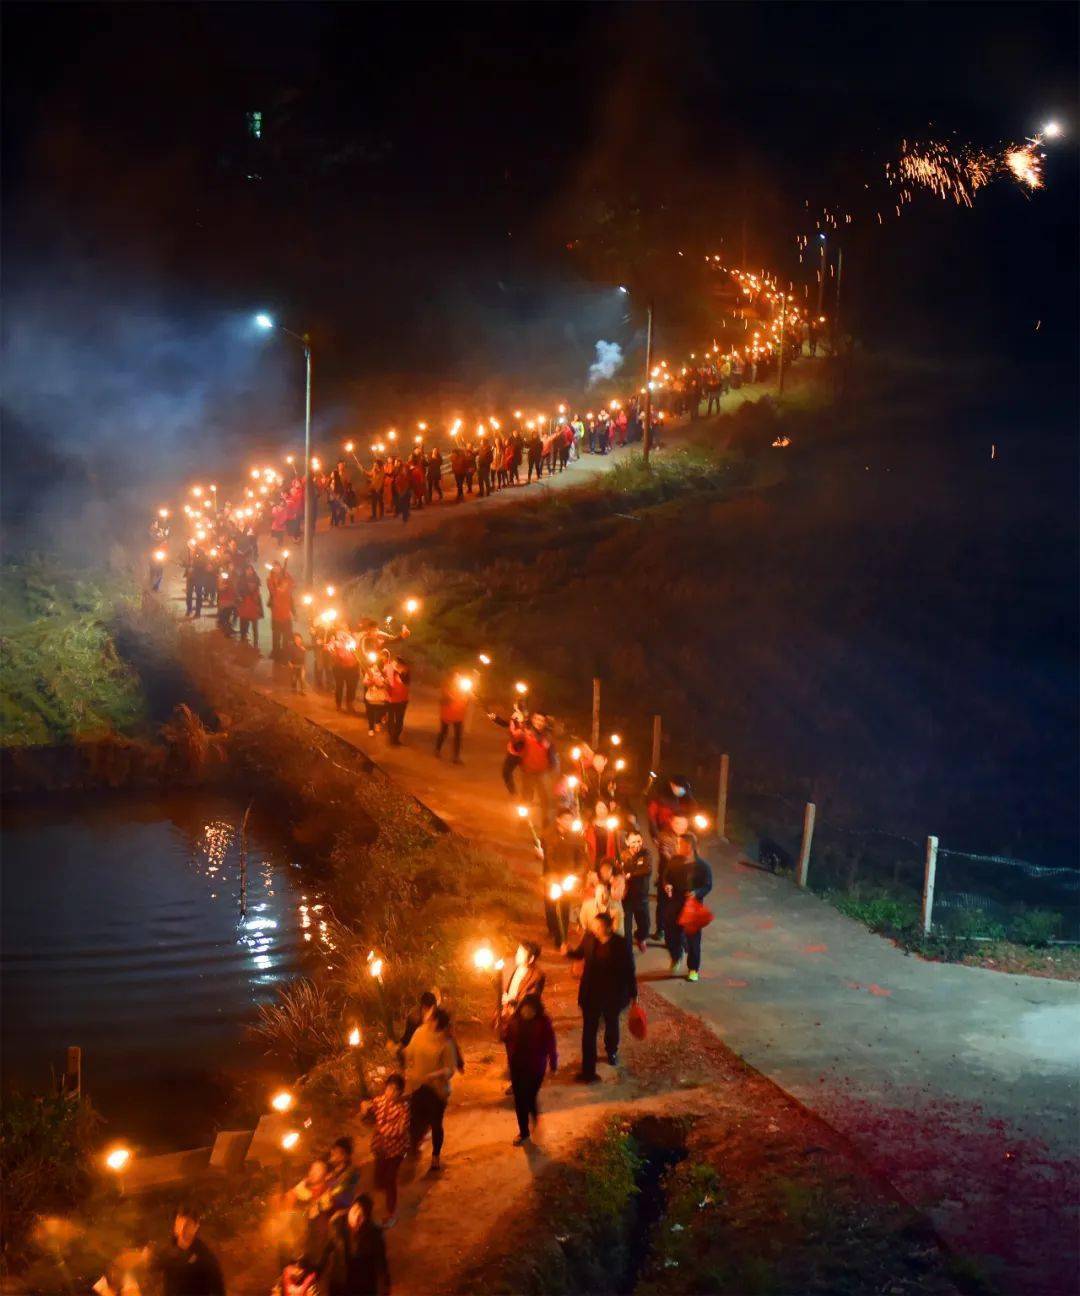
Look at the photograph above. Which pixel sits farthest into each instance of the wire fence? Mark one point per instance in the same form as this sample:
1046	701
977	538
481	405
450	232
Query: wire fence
976	895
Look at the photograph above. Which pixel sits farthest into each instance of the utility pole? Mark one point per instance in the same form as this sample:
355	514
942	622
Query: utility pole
821	277
646	443
836	308
309	485
783	316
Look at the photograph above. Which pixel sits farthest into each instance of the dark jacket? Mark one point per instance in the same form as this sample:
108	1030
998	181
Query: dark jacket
354	1264
530	1045
563	853
190	1271
608	979
689	873
637	869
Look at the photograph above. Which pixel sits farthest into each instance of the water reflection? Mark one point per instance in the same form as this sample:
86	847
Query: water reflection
140	930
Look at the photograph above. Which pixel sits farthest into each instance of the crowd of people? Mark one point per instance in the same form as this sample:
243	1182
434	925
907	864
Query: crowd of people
603	858
598	869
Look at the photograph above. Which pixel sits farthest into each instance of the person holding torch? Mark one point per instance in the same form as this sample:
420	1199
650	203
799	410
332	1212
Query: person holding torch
453	708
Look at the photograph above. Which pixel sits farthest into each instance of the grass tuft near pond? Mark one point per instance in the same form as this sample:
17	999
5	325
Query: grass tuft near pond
61	677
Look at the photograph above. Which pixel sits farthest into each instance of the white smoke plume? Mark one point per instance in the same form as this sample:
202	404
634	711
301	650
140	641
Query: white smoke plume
609	358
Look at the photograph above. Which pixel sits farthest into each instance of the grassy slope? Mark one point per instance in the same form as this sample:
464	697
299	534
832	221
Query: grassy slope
60	676
863	621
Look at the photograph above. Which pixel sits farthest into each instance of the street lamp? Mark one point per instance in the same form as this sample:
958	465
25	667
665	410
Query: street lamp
267	323
646	439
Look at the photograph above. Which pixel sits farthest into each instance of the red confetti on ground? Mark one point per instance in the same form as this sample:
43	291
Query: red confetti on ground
762	924
816	949
741	954
733	983
993	1192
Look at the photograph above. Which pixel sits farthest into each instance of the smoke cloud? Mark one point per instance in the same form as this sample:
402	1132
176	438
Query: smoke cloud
608	362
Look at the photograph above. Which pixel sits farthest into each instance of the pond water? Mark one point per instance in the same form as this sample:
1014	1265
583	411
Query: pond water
130	929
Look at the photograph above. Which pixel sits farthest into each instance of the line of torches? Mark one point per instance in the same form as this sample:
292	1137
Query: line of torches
256	493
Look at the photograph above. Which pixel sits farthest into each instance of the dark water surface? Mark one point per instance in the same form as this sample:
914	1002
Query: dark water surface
123	933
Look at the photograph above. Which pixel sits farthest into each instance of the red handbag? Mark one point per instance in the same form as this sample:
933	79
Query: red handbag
694	916
636	1021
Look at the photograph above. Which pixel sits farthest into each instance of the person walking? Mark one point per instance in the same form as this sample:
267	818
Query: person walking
398	680
354	1260
346	670
249	609
390	1140
453	709
402	491
608	986
279	590
186	1264
431	1058
434	476
564	857
636	864
375	489
687	875
531	1049
484	460
297	656
376	695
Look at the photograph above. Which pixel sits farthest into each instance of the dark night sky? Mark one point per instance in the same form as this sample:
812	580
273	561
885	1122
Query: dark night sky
423	169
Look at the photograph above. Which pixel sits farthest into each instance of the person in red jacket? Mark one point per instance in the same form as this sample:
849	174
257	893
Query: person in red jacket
398	678
538	759
453	708
249	609
279	589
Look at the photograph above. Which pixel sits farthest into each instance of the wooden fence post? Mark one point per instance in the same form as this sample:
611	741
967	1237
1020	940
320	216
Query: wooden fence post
595	713
809	815
655	765
721	798
928	884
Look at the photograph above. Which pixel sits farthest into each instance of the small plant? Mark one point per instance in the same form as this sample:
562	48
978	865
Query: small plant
881	913
305	1025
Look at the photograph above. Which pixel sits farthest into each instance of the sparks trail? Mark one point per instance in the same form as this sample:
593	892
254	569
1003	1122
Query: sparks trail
952	172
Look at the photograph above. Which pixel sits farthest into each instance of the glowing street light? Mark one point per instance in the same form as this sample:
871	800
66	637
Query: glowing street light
484	958
284	1100
522	811
1052	129
521	688
290	1140
701	822
354	1038
412	605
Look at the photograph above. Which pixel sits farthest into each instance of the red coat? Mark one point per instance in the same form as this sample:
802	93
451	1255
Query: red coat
453	706
536	754
281	602
398	684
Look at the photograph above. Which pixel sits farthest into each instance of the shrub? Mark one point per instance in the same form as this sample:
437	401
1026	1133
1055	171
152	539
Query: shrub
1036	927
45	1150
